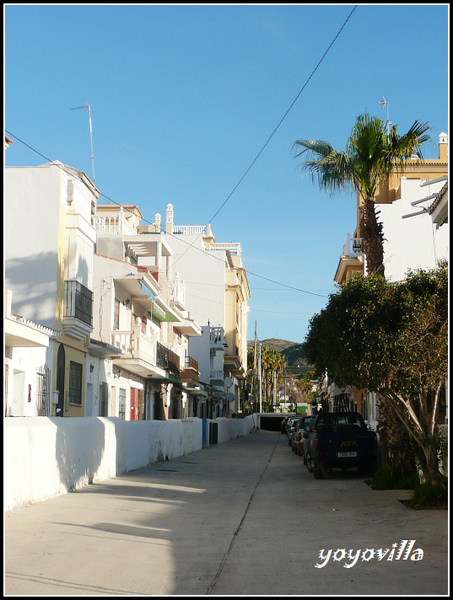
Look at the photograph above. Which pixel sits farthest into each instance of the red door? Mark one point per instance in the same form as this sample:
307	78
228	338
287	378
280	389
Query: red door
134	404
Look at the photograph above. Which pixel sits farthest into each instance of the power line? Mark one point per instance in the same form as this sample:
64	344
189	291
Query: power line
211	254
247	170
285	115
279	123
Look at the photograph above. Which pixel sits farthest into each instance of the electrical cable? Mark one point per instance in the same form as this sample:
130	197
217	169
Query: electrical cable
246	171
211	254
278	125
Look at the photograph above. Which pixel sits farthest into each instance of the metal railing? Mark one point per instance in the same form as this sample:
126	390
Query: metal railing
78	301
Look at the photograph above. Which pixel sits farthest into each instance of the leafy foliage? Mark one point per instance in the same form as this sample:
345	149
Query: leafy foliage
391	338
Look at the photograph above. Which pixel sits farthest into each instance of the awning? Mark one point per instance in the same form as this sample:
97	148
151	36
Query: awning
147	291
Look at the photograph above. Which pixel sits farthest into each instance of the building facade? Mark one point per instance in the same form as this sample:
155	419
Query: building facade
49	247
217	295
140	310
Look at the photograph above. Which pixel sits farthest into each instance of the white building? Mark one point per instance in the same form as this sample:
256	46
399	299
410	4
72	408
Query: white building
412	239
217	295
140	310
49	245
28	353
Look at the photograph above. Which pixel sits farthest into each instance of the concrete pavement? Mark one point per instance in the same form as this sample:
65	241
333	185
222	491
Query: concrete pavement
240	518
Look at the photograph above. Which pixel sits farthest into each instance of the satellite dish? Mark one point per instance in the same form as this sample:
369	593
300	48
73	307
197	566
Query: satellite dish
228	382
231	397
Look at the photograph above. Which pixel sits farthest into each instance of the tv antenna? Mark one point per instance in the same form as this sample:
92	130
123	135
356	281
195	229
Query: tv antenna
385	103
87	108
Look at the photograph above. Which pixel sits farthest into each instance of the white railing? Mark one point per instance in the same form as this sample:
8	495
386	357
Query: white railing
353	246
178	292
217	336
145	348
123	341
135	344
232	248
190	229
216	375
113	224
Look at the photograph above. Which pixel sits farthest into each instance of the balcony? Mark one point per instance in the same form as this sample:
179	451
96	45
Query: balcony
178	292
217	338
190	375
217	377
140	353
78	310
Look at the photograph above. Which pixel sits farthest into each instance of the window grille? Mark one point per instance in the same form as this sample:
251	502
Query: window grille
122	403
75	383
42	391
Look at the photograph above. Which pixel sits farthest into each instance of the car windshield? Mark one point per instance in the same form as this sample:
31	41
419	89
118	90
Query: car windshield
338	420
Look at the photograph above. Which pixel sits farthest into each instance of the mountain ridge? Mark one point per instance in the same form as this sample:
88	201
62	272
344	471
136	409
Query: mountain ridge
292	351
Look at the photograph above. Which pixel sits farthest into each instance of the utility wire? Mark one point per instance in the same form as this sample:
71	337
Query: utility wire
249	167
285	115
278	125
211	254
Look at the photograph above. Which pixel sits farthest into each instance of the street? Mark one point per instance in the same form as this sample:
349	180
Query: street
240	518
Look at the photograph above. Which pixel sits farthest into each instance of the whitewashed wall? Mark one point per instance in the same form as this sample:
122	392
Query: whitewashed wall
48	456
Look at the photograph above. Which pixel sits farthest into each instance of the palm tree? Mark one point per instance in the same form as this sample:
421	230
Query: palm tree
371	154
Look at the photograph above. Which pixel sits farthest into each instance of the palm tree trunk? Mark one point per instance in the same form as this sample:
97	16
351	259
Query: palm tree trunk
373	238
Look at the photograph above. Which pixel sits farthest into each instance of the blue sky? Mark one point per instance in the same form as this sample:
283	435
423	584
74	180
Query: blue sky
184	98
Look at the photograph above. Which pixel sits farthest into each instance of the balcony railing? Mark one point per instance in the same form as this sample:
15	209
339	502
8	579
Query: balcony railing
217	338
78	302
162	356
217	377
78	310
135	345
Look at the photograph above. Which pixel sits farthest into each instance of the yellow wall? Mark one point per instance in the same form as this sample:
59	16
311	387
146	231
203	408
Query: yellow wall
75	350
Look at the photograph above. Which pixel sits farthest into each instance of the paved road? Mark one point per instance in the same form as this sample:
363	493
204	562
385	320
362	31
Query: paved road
240	518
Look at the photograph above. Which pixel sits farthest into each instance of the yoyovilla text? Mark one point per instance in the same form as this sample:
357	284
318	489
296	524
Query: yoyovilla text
403	550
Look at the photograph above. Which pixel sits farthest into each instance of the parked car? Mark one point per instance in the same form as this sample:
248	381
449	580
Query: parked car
298	438
284	423
290	426
340	440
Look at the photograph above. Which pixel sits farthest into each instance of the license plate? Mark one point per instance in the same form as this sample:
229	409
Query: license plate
346	454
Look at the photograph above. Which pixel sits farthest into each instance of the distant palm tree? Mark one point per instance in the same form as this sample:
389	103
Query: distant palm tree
372	153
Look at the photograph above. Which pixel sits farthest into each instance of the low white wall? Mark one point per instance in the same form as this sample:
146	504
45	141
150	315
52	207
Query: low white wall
229	429
48	456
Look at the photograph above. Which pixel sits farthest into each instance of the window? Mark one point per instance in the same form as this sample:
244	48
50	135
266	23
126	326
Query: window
75	383
104	400
122	403
116	317
42	390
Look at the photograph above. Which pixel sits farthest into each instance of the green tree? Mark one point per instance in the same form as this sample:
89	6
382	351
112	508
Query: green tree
272	365
371	155
391	338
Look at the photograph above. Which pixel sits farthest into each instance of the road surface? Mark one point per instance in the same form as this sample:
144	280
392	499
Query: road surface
240	518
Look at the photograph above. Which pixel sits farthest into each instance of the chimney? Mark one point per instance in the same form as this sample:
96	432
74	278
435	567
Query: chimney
443	147
157	223
169	222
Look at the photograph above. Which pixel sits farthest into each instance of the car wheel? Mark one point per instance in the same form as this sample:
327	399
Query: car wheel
317	471
309	464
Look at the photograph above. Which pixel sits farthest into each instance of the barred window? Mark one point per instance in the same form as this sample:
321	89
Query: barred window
75	383
42	390
122	403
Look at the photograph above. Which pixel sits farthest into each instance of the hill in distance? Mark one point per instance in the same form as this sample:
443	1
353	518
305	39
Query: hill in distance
292	351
